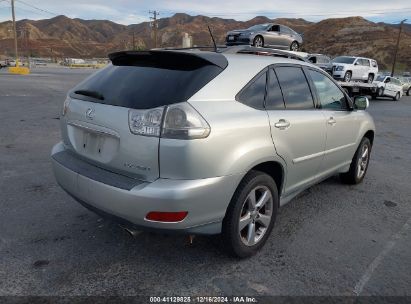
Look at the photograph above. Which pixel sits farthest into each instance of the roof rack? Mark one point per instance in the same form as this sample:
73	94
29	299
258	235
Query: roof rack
247	49
189	48
240	49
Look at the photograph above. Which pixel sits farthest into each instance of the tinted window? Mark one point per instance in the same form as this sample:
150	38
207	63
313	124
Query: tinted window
295	88
365	62
343	59
285	30
145	85
331	97
380	78
275	28
253	95
274	98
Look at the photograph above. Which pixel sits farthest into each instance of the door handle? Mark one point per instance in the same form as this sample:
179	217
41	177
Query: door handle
282	124
331	121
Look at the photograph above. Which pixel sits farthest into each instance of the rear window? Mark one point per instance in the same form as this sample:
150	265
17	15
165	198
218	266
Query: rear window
147	81
343	59
254	93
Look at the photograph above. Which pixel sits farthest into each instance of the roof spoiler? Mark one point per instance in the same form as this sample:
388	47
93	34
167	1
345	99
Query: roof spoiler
212	58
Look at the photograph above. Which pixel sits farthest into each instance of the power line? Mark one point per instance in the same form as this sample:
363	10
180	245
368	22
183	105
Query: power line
37	8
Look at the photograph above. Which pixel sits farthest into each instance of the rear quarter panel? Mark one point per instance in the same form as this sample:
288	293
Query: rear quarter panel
240	138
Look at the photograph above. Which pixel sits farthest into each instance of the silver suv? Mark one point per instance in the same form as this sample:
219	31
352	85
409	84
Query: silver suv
205	142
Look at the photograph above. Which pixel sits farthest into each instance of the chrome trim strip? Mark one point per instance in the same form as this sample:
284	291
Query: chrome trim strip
315	155
94	130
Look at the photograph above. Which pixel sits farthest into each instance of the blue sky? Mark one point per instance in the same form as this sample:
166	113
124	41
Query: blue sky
136	11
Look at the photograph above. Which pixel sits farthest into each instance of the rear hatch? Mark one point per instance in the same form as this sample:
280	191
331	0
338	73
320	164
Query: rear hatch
95	121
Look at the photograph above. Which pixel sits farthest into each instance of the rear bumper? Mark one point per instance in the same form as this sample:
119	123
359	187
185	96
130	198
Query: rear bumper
206	200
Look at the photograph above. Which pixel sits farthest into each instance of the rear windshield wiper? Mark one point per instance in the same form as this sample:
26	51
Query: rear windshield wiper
89	93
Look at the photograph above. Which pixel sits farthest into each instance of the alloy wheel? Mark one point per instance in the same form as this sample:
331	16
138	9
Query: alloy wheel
255	216
294	46
258	42
362	162
347	77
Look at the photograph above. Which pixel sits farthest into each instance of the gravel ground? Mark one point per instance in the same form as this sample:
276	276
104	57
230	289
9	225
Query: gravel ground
331	240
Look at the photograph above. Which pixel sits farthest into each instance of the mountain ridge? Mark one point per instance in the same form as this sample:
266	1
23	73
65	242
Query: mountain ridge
62	36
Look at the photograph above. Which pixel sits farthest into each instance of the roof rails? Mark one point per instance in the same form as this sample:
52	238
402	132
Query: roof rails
240	49
247	49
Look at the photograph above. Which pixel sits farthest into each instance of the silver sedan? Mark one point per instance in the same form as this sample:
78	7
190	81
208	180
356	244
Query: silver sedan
268	34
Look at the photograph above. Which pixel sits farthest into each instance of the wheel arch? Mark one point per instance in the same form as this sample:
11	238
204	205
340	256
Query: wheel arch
259	35
274	168
370	135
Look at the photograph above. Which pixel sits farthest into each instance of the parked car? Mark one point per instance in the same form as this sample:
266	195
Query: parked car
320	60
406	85
268	34
349	68
3	64
388	87
242	135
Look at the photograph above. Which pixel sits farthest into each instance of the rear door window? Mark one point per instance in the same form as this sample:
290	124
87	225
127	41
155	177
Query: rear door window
295	89
274	99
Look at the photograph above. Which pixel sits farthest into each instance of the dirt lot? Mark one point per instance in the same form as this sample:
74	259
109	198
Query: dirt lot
331	240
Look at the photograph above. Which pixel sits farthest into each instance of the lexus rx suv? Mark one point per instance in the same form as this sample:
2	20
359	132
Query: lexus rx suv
203	142
348	68
268	34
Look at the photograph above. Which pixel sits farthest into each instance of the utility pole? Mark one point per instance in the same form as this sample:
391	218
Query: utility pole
154	25
396	48
14	32
134	41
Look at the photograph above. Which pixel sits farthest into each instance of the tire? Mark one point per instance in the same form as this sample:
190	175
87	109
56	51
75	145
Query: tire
294	46
359	164
258	41
370	78
397	96
347	76
257	222
409	91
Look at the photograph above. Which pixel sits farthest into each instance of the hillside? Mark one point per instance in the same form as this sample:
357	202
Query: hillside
65	37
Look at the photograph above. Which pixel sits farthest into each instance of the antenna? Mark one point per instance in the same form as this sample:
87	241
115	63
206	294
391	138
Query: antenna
212	37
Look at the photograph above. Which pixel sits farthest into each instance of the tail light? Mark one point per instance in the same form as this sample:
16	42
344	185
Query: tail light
65	105
180	121
145	122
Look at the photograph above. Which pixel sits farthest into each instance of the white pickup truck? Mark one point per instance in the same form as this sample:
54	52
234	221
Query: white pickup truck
388	86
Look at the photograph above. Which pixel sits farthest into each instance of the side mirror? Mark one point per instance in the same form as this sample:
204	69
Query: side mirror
361	102
357	63
387	80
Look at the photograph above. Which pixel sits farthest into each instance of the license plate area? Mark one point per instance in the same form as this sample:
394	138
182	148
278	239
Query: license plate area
93	142
99	145
230	38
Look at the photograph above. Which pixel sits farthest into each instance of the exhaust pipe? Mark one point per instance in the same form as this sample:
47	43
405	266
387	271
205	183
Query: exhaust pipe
131	232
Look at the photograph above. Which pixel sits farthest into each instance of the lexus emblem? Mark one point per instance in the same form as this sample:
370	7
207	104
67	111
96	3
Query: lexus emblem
90	113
